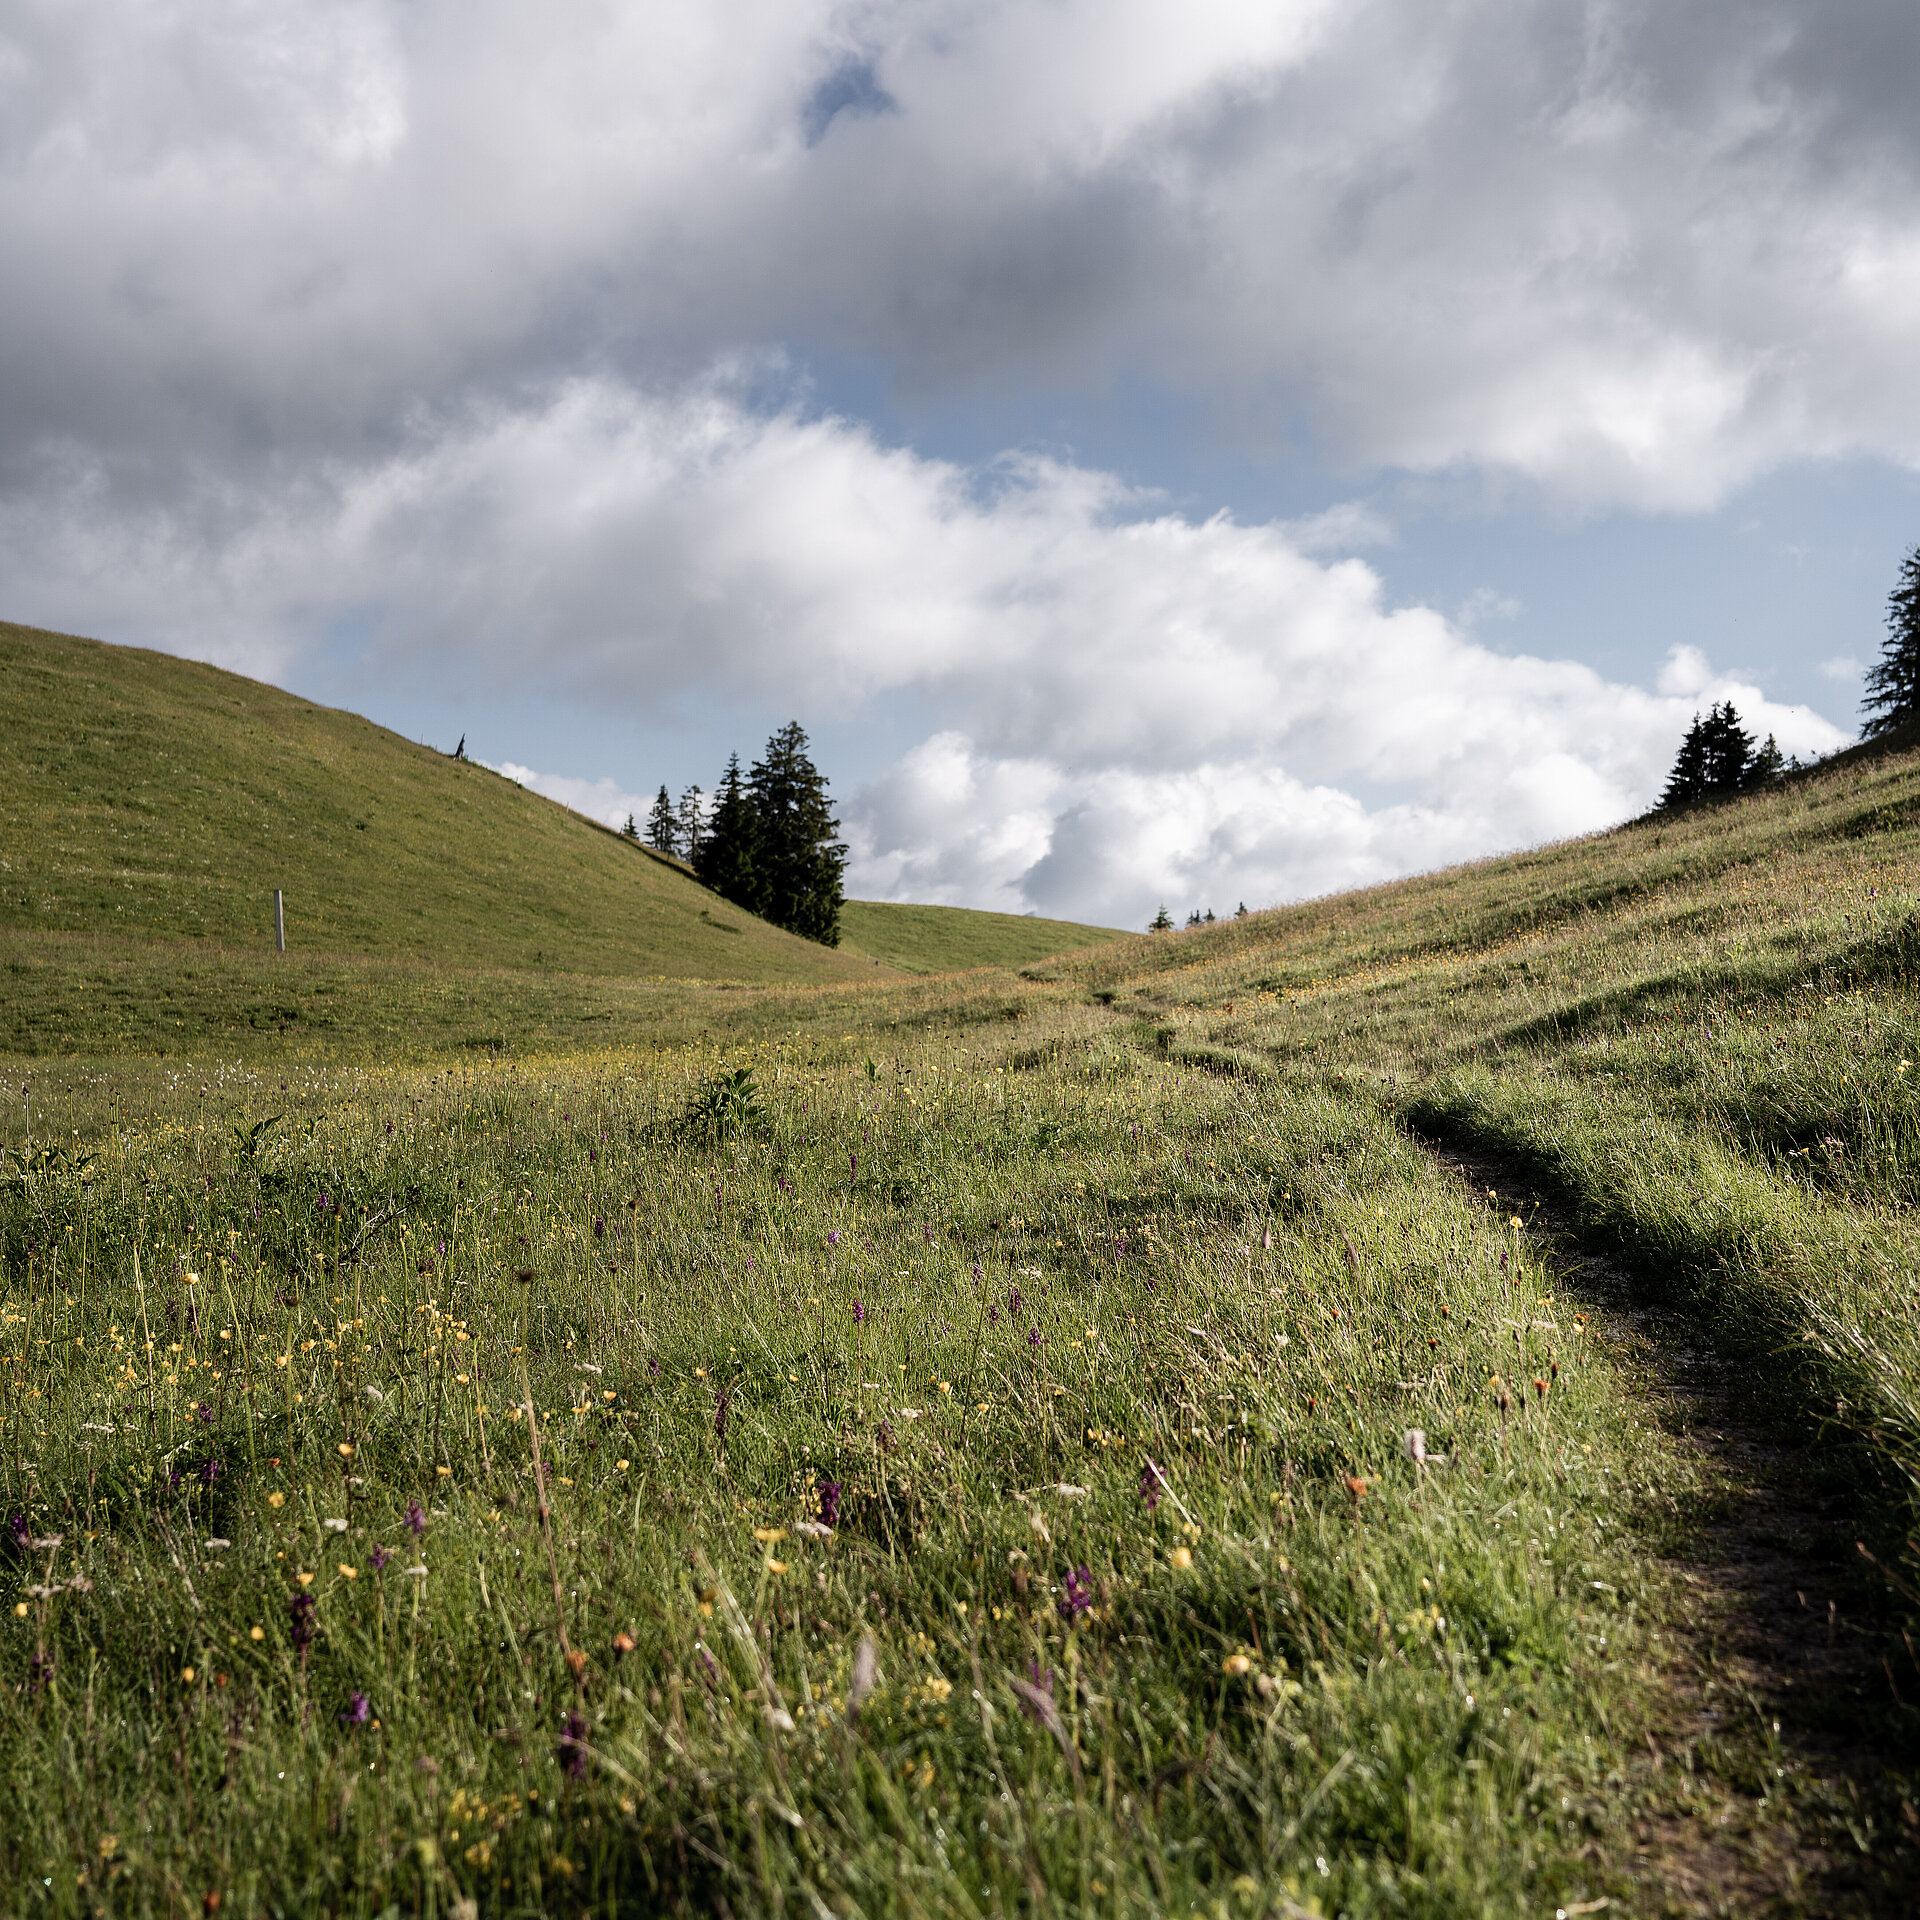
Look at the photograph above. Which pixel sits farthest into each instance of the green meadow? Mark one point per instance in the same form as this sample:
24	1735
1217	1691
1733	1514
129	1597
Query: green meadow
495	1426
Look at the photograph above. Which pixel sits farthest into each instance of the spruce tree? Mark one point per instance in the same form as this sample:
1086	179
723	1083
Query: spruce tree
799	863
1687	783
1162	922
1767	768
662	834
1729	747
729	854
1893	686
631	831
690	826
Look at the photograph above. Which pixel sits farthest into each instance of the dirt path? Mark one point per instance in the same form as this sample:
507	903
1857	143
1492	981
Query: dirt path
1776	1788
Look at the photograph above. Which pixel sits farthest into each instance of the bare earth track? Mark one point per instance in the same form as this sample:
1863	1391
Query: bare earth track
1780	1785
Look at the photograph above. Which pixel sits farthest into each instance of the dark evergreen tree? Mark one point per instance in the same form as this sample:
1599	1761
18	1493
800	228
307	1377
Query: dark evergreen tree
1729	749
690	826
631	831
1768	767
1893	686
799	863
1687	783
1162	922
1242	914
663	835
729	854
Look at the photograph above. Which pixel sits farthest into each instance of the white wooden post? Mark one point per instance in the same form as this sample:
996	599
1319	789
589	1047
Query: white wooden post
279	922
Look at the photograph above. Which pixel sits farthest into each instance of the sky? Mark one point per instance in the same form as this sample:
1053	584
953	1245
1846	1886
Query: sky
1190	454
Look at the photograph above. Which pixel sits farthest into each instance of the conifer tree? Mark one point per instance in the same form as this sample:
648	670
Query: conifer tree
1893	686
1767	768
730	851
663	835
1162	922
690	826
799	863
631	831
1687	783
1729	747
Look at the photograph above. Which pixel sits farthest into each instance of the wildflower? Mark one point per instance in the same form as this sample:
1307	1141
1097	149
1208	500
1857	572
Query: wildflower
1151	1483
572	1751
210	1471
416	1518
1076	1594
709	1667
884	1435
653	1369
1013	1299
623	1644
20	1530
599	1226
833	1236
1033	1336
1235	1664
203	1413
357	1712
40	1673
859	1313
993	1316
1357	1486
301	1625
829	1492
380	1556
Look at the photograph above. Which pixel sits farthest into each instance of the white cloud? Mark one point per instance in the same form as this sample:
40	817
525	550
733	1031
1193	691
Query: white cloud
1633	253
1843	667
1137	704
603	800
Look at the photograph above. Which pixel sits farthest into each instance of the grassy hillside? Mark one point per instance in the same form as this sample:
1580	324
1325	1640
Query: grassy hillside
977	1460
145	798
948	939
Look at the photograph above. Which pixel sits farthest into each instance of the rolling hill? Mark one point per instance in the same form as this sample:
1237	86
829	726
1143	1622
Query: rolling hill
946	939
153	799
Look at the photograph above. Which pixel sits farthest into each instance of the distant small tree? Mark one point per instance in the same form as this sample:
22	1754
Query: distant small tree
1242	914
631	831
799	863
690	826
1893	686
1687	783
1767	768
729	855
1209	916
663	832
1193	919
1162	922
1729	751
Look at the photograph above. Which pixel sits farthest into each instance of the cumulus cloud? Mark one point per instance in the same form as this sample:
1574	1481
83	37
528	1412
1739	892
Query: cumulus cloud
1136	703
1630	253
467	334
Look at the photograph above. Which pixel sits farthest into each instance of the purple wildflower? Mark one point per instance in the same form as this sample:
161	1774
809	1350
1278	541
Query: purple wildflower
1151	1483
829	1492
416	1518
572	1750
653	1369
301	1625
380	1556
1013	1299
204	1414
884	1434
19	1529
1076	1594
709	1667
853	1165
40	1673
859	1313
389	1129
1033	1336
976	1270
357	1712
993	1316
210	1470
833	1236
599	1226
